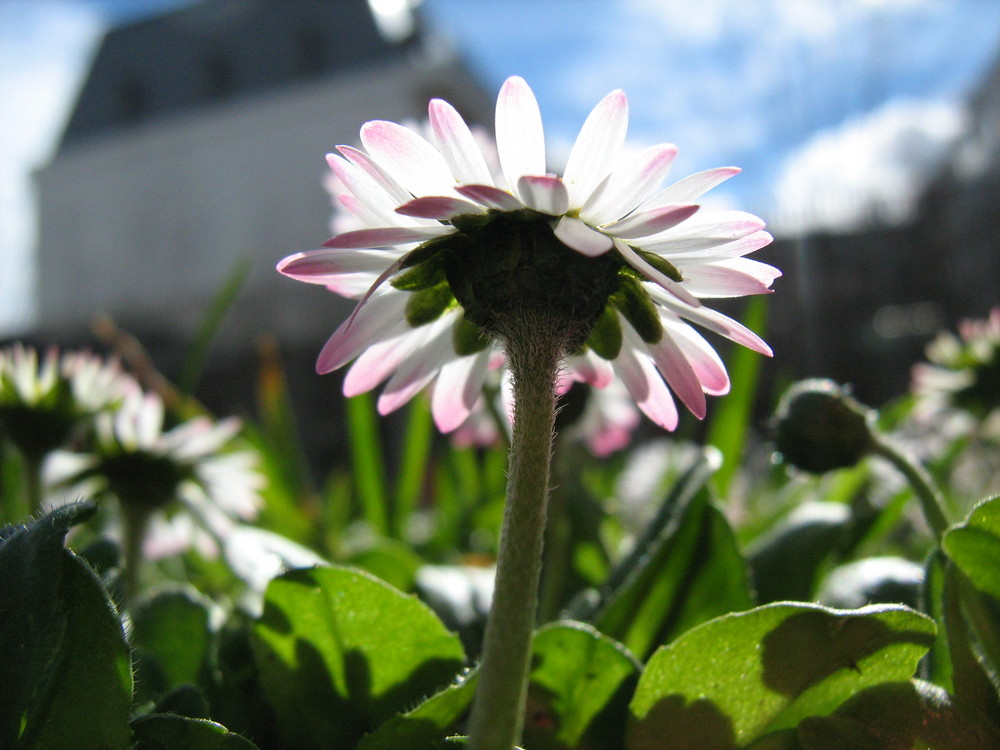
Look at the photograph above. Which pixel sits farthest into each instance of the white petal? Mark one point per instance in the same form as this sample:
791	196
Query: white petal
703	358
382	316
413	162
544	193
327	266
457	144
629	185
692	187
458	388
596	147
714	321
650	222
736	277
365	163
679	374
416	372
490	196
520	139
582	238
439	207
637	372
369	191
709	248
387	236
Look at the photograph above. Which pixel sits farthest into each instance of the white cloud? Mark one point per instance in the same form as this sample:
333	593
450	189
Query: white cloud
871	169
44	45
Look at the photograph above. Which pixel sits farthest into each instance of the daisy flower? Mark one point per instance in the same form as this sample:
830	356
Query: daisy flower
447	249
45	400
964	370
177	487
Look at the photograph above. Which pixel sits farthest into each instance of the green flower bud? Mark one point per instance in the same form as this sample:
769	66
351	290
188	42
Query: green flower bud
819	427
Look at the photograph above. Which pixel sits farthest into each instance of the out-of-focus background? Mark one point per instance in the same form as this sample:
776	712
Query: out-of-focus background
155	152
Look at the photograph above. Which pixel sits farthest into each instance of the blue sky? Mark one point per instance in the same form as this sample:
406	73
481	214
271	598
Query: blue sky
826	104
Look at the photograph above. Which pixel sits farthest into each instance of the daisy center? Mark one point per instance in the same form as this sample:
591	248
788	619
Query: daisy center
511	263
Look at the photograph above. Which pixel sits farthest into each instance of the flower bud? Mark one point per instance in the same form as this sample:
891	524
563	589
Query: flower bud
818	426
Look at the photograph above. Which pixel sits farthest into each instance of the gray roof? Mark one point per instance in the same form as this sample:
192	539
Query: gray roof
215	50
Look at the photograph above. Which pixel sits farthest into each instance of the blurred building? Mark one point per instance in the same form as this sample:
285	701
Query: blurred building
197	144
860	306
198	140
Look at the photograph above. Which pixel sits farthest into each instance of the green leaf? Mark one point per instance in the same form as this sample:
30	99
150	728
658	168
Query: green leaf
739	677
690	573
340	652
427	725
64	671
580	685
974	546
89	693
899	716
787	561
391	561
172	640
172	732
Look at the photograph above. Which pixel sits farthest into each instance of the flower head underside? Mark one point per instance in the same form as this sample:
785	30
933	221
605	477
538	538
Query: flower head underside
450	249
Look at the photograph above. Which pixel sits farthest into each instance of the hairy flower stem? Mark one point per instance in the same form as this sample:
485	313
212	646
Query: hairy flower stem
134	521
534	350
919	480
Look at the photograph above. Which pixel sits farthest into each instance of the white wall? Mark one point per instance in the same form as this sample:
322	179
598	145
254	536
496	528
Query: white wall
146	224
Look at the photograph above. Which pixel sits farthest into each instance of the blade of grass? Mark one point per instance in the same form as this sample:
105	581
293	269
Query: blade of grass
730	422
368	461
413	465
215	314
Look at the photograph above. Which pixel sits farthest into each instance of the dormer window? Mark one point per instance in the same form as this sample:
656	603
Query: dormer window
133	98
219	78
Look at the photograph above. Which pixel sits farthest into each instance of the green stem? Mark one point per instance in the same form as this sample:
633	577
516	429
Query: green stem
134	523
534	349
33	483
920	481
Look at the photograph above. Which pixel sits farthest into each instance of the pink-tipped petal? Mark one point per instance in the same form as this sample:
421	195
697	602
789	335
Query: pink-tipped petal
716	322
457	144
382	316
707	364
596	147
387	236
544	193
416	372
736	277
724	225
692	187
708	249
678	373
633	259
651	394
458	388
490	196
439	207
365	163
326	266
520	139
591	369
367	190
413	162
650	222
582	238
628	185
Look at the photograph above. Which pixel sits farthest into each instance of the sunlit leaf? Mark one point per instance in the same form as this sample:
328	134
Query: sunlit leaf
340	652
739	677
